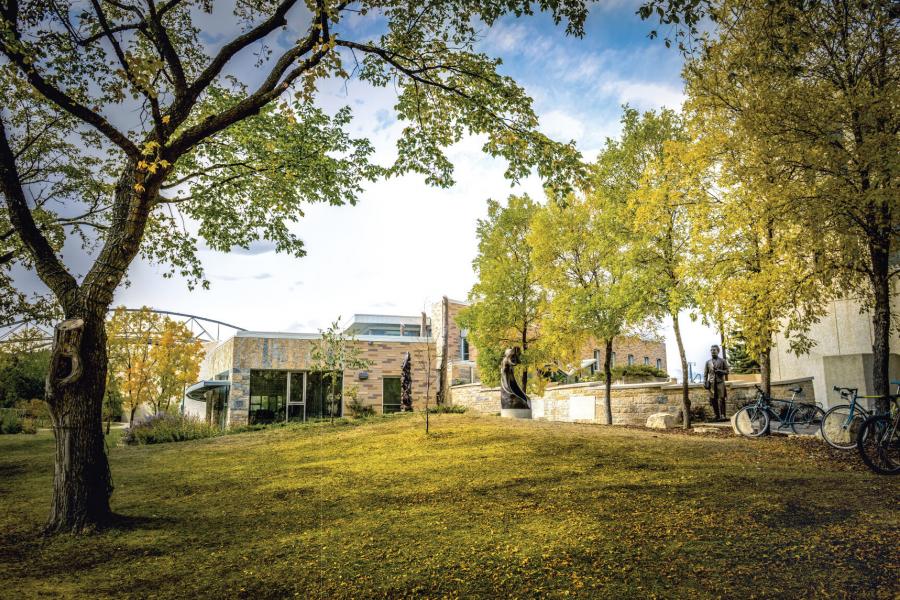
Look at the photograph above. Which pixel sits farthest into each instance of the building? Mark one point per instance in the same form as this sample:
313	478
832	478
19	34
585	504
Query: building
841	354
264	377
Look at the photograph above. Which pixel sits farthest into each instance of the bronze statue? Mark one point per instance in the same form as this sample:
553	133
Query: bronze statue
511	395
714	381
406	385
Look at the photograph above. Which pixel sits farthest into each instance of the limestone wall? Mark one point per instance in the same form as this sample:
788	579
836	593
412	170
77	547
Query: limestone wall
631	404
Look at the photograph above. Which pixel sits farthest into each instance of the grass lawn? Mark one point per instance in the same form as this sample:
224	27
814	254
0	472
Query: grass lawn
482	507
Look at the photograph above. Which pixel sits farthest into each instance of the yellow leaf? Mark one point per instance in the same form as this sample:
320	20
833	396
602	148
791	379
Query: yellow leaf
138	188
166	119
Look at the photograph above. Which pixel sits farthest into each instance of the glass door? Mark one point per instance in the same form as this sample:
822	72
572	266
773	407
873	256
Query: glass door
296	397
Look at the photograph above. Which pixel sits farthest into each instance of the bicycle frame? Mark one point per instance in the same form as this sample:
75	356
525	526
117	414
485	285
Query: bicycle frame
852	394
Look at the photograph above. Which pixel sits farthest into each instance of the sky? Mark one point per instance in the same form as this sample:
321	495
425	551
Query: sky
405	244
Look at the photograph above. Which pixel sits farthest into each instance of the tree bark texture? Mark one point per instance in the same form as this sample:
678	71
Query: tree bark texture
685	394
82	484
881	325
765	370
607	373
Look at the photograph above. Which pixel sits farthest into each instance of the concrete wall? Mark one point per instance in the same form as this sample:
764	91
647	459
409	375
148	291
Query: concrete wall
631	403
842	354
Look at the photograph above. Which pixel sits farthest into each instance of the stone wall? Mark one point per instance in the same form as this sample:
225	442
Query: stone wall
631	404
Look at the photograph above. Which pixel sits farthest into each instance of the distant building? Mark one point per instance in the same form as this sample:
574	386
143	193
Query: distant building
264	377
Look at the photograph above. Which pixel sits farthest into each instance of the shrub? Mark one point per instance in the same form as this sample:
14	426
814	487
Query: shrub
163	427
36	410
10	422
355	406
446	409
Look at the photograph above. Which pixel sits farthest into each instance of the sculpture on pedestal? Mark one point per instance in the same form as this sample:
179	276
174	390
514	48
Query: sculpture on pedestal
513	401
406	385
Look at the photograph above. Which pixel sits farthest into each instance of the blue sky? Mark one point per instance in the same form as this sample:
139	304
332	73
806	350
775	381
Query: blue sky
406	244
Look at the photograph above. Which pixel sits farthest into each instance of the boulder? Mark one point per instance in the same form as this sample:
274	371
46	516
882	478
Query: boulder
661	421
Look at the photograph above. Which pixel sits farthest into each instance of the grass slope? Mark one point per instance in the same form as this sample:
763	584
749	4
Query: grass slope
483	507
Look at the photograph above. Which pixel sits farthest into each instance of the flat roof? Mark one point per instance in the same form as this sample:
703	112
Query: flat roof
388	319
284	335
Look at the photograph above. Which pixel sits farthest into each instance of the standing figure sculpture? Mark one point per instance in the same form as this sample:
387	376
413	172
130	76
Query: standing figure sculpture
714	381
513	401
406	385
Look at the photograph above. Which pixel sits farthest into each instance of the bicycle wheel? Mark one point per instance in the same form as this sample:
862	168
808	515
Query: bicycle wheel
839	429
752	421
878	443
807	419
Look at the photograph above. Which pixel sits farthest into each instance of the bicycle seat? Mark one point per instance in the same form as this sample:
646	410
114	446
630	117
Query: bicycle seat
796	390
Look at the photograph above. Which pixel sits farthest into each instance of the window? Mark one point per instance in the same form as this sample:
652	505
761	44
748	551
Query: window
659	364
319	402
595	366
391	396
647	360
464	345
267	396
630	359
612	359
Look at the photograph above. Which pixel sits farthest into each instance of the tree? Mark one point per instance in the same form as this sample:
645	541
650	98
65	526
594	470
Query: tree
333	354
507	299
661	204
815	87
22	375
175	355
131	335
590	289
754	269
120	125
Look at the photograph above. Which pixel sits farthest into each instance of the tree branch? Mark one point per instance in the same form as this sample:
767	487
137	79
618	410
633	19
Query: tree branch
49	267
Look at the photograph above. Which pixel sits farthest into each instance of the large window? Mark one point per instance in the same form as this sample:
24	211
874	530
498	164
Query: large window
464	345
630	359
391	397
319	402
659	364
268	391
647	360
595	366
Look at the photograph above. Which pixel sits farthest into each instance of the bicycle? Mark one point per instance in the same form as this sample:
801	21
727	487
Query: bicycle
841	424
878	441
754	419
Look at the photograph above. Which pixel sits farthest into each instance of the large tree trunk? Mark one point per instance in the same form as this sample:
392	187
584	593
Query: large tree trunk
685	394
607	372
881	326
82	484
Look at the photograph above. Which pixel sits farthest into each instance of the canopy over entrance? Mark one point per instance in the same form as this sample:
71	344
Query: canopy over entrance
199	389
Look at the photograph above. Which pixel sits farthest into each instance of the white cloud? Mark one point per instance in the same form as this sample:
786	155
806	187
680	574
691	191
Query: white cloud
643	94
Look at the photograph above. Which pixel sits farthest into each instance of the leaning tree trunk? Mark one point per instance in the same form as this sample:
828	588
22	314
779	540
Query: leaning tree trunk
685	394
82	484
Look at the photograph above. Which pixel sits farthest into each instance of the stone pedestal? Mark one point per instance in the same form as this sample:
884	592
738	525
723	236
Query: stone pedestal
515	413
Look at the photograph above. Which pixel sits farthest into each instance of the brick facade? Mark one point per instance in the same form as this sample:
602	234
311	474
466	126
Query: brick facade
640	348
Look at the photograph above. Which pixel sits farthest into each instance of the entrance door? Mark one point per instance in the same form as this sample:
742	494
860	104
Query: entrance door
296	397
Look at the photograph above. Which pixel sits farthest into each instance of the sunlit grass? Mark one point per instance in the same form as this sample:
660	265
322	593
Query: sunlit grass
483	507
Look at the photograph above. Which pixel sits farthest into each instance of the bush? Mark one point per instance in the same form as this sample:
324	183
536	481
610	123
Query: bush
36	410
355	406
163	427
10	422
446	409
